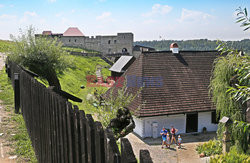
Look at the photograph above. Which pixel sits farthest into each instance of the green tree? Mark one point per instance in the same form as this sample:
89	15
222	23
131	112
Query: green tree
230	87
41	55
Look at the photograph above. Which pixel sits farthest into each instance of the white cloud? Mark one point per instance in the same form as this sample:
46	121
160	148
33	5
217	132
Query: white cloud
7	17
191	15
27	16
149	21
1	5
28	13
158	9
103	16
52	1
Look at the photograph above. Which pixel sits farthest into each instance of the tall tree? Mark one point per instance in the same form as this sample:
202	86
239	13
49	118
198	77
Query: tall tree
41	55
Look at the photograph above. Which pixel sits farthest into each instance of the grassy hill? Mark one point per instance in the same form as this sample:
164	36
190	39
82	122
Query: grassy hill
5	45
74	78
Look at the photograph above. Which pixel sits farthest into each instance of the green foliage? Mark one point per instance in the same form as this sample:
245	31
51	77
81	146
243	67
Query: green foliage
21	142
243	18
223	72
241	132
5	45
74	78
80	50
107	109
212	147
41	55
201	44
232	157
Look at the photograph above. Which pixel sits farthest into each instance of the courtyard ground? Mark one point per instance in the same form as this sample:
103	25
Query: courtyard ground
173	155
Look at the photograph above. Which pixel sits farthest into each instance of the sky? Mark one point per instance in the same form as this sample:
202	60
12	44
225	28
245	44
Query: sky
147	19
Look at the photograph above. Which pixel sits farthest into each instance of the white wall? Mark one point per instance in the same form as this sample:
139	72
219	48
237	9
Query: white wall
139	126
143	126
204	120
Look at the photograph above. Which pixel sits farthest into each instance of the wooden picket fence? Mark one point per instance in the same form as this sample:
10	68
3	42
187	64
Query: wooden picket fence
61	132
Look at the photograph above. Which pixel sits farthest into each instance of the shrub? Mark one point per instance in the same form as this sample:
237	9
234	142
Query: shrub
231	157
209	148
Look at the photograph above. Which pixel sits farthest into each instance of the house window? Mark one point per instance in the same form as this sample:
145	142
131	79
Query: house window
109	50
69	40
109	41
214	119
114	41
75	40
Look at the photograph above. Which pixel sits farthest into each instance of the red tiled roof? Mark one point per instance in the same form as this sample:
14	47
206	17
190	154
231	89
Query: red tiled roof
73	31
181	82
47	33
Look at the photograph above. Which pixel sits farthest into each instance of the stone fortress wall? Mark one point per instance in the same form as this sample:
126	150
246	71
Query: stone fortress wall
122	42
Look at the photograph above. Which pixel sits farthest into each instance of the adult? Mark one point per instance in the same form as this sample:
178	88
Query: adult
173	133
164	136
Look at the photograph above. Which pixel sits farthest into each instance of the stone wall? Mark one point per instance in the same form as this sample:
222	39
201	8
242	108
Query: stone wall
104	44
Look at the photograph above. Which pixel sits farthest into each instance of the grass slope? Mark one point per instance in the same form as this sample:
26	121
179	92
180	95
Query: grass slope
5	45
20	142
73	79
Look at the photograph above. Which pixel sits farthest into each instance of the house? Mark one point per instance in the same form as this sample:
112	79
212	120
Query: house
121	65
172	90
138	49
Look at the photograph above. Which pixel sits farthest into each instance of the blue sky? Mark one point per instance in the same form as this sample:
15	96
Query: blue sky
147	19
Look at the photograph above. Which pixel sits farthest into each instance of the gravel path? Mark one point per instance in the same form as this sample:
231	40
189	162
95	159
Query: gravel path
187	154
5	127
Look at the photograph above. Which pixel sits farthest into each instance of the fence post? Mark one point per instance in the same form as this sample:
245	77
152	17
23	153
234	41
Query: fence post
17	92
90	138
145	157
111	148
83	138
99	143
127	154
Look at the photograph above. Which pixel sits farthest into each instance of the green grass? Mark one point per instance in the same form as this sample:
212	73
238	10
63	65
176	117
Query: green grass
5	45
212	147
74	78
74	49
20	142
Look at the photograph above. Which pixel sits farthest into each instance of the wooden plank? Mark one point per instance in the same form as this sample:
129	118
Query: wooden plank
68	116
83	138
90	138
99	143
76	134
127	154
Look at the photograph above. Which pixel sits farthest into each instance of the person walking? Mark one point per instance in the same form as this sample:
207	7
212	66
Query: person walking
173	133
164	135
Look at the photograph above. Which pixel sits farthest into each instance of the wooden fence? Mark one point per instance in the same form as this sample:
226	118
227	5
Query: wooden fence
61	132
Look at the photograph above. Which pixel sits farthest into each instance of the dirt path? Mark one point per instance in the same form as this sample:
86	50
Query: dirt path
5	129
173	155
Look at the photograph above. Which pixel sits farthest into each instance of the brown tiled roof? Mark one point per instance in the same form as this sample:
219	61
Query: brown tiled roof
181	82
73	31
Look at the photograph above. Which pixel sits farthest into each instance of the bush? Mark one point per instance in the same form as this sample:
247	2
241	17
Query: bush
231	157
212	147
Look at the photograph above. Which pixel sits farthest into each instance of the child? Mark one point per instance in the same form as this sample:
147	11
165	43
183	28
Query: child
163	134
168	141
179	141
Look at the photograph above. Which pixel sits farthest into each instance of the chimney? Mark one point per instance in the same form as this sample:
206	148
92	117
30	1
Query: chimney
174	48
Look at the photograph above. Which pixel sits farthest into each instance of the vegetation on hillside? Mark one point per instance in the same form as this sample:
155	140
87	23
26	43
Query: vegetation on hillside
5	45
41	55
20	142
79	50
201	44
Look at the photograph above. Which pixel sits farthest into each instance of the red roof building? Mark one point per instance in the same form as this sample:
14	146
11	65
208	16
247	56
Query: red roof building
175	91
73	31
